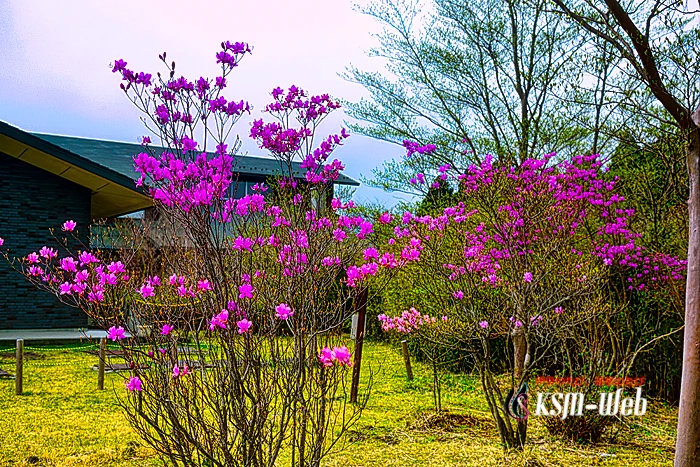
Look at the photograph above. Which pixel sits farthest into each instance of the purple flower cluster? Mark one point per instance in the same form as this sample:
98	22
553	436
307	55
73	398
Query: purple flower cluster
337	355
408	321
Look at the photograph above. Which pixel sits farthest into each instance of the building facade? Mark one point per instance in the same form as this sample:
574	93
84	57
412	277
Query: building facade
48	179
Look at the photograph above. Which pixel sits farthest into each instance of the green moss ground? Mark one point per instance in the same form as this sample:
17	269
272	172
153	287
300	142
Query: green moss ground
62	420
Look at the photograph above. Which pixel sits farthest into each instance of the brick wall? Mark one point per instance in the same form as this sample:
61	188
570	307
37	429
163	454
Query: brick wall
32	201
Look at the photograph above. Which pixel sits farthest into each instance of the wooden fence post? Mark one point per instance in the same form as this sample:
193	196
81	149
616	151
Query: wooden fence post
361	309
407	359
101	365
19	366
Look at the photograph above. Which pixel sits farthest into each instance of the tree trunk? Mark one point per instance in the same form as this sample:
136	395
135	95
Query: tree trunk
520	358
688	438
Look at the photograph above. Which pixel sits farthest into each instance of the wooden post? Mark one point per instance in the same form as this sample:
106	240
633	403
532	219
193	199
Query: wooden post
407	359
19	366
101	365
361	309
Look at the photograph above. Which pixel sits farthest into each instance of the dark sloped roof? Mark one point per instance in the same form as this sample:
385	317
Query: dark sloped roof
117	156
112	193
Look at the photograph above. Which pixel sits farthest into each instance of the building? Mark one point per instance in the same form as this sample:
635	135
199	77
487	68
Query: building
47	179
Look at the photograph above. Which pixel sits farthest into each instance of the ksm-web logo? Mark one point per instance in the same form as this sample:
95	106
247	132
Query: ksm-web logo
573	404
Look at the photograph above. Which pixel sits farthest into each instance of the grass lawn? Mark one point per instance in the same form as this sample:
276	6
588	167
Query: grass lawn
62	420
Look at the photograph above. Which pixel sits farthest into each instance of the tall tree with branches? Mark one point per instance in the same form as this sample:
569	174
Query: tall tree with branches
473	78
659	42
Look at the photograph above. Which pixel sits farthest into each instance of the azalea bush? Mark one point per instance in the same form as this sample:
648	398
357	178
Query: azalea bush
527	254
229	309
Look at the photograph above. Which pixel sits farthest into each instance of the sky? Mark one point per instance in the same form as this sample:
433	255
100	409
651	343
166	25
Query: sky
55	74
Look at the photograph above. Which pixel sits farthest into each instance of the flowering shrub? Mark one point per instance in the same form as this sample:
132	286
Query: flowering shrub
237	303
528	254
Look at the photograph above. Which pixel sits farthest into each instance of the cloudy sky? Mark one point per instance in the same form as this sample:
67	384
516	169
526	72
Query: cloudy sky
55	60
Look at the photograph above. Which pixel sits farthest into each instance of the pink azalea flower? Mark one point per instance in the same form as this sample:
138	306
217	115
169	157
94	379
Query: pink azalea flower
96	296
69	226
219	321
82	276
244	326
32	258
2	241
178	372
342	355
86	257
527	277
68	264
116	333
339	234
371	253
65	288
366	228
386	218
535	320
326	357
284	311
154	281
559	310
203	285
166	329
484	324
245	291
147	290
134	384
459	295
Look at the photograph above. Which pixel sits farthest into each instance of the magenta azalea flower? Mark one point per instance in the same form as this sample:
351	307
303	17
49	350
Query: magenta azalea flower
46	252
245	291
32	258
219	321
134	384
147	290
82	276
284	311
116	333
69	226
2	241
527	277
342	355
386	218
68	264
484	324
244	326
459	295
203	285
166	329
115	268
35	271
339	234
371	253
339	355
153	280
178	372
326	357
559	310
65	288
